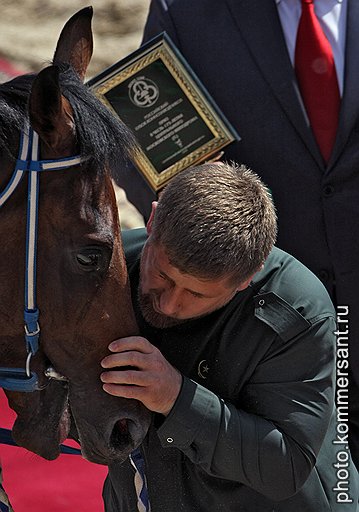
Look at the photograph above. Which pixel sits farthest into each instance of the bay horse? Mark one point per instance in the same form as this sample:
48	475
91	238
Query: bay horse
61	248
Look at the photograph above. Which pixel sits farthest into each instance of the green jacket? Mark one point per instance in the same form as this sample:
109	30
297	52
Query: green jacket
253	427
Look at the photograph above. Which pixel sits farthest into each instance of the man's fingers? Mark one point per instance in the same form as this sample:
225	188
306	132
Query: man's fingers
136	392
137	369
130	358
126	377
131	343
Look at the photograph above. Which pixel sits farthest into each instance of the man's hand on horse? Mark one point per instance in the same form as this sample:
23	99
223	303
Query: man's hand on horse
137	369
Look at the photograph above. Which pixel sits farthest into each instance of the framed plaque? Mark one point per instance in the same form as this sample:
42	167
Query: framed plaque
176	122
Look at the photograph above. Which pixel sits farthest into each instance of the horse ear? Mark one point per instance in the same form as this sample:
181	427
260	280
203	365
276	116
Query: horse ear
75	44
48	114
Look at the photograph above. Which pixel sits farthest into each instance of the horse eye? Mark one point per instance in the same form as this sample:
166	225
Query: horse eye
90	260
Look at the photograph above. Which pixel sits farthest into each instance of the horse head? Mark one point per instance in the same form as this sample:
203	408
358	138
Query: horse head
82	289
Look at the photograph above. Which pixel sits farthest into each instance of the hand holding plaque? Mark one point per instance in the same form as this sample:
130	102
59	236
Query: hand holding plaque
155	93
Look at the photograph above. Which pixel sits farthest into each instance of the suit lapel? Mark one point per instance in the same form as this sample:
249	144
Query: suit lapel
260	27
349	111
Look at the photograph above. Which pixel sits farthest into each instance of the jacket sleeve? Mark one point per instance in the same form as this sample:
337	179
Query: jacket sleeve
271	441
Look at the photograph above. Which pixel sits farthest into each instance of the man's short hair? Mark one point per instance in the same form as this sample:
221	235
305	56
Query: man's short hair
216	220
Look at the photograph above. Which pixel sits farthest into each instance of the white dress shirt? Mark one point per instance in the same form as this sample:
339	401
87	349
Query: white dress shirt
332	15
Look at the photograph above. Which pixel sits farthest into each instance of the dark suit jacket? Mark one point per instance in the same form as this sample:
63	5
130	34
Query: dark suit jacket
237	49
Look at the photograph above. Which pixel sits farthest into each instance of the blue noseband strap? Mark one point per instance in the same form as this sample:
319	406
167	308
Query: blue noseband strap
16	379
6	438
22	379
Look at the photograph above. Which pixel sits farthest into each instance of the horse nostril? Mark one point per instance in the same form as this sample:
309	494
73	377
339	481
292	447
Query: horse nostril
122	425
120	436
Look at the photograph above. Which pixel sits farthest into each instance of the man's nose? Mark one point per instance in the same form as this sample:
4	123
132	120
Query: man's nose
170	301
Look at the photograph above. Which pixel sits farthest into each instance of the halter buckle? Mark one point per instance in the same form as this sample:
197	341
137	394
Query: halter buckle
32	333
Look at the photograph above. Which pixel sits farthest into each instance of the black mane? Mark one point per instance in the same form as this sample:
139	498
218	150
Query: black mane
102	138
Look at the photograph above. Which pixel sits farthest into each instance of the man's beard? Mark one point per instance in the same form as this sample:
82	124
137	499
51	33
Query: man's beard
158	320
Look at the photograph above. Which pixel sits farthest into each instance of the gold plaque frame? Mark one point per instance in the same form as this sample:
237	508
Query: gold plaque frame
206	129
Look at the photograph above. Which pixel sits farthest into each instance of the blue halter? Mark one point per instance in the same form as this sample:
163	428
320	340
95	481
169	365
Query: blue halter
23	379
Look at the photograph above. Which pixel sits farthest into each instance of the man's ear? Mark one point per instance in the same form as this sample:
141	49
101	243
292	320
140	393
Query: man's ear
246	283
152	216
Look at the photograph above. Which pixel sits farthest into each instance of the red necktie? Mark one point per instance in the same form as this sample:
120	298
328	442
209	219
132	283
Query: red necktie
317	79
